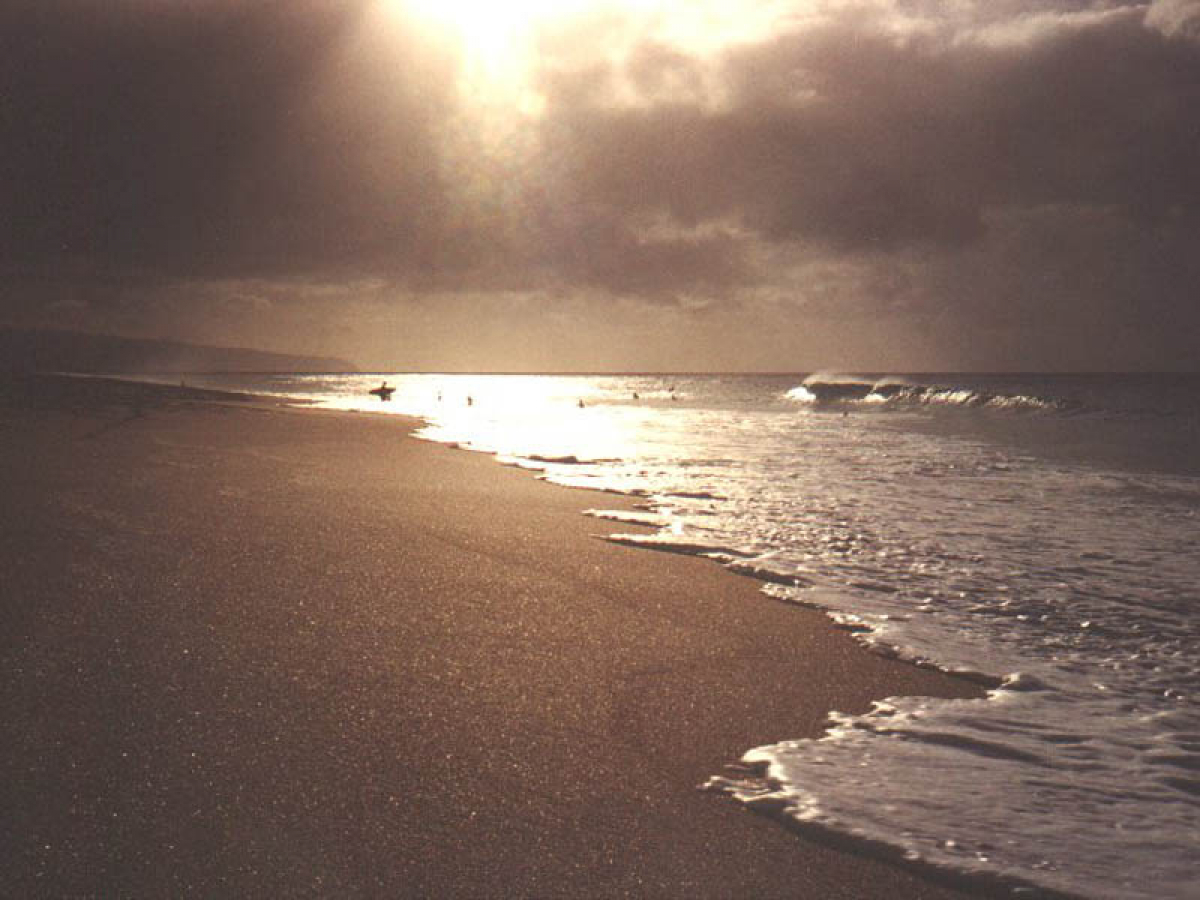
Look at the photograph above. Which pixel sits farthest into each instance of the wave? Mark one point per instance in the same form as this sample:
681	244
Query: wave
539	461
658	541
825	389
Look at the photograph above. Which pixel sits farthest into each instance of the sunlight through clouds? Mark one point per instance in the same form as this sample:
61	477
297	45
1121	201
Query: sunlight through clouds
758	182
502	46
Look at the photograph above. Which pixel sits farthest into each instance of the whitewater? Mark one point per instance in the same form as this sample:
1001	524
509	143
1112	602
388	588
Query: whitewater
1037	533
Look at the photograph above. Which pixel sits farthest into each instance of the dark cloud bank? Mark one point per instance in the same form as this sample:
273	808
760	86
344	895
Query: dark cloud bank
216	138
1016	186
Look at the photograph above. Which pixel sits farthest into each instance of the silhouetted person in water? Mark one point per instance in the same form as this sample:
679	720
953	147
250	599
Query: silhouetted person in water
470	400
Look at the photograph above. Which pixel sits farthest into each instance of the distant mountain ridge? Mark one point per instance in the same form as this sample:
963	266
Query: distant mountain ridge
72	351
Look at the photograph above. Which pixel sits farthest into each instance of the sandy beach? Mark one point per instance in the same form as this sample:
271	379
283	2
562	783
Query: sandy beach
256	651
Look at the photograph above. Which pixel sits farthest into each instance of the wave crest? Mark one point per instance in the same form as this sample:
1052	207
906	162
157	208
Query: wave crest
826	389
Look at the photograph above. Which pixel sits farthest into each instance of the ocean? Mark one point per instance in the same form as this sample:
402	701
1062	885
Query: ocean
1036	532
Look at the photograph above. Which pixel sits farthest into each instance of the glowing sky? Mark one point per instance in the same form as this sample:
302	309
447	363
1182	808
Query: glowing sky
589	185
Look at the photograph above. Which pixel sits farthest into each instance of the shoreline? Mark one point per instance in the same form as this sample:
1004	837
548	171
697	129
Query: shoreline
335	680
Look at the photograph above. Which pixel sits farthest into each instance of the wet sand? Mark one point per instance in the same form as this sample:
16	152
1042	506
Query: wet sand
254	651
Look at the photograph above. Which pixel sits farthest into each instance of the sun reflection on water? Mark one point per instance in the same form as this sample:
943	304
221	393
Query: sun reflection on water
567	419
563	420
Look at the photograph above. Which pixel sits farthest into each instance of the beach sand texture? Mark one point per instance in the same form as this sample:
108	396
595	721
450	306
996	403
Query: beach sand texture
260	651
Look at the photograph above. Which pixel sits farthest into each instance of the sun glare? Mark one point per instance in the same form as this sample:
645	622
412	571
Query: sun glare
499	43
493	36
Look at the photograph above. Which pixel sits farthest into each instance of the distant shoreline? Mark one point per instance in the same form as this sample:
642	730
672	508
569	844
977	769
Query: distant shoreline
45	349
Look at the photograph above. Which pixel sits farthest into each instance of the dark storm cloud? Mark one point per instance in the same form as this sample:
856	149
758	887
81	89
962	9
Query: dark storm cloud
215	137
626	264
289	138
1010	183
862	138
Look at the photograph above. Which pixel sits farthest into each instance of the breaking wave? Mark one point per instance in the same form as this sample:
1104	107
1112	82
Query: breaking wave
824	389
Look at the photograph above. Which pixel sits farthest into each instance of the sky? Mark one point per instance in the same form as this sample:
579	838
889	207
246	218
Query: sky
634	185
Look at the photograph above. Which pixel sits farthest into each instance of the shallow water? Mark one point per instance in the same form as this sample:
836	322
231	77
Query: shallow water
1039	531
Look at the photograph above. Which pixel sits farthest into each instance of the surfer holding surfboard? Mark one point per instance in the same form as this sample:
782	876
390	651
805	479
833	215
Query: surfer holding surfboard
383	392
